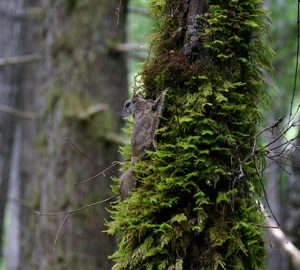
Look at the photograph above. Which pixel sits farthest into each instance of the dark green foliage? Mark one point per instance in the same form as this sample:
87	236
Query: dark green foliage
194	207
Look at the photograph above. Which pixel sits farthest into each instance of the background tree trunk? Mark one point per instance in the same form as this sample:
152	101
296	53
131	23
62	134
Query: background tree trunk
291	215
78	69
276	258
12	17
284	36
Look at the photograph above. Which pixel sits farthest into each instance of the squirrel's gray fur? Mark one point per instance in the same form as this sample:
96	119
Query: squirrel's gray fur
146	119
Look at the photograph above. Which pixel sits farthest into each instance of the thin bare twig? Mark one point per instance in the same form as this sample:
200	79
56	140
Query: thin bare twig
98	174
81	152
279	164
275	124
59	229
70	212
264	191
281	145
288	141
284	132
37	213
117	12
128	47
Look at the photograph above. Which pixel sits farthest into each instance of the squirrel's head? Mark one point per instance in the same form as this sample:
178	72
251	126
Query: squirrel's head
130	104
138	101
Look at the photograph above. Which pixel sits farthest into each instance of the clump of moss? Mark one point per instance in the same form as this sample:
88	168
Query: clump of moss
194	207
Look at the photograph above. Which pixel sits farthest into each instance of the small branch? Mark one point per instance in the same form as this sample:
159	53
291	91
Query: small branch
126	47
114	138
264	191
90	160
23	59
98	174
68	213
136	55
287	245
92	110
279	137
139	10
81	152
117	12
275	124
18	113
59	229
280	165
280	146
37	213
287	140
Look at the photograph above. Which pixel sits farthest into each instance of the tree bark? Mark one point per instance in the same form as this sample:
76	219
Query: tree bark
193	45
12	30
276	257
77	70
291	216
14	206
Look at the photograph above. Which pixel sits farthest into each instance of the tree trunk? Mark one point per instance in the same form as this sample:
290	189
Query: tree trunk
12	16
291	217
78	70
276	257
195	202
14	206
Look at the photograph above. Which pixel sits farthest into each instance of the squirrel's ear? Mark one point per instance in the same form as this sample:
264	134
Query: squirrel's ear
156	103
159	101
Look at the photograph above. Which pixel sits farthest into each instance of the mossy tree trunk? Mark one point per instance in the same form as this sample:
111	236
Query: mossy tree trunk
195	203
78	69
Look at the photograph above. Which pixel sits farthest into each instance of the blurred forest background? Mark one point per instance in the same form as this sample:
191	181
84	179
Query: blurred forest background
66	68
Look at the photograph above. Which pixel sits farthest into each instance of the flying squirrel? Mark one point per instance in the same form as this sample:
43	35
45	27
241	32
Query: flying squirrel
146	114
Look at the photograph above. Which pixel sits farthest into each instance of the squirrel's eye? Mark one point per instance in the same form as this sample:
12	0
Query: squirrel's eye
127	104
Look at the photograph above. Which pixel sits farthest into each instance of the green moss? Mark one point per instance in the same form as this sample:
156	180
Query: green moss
72	104
53	97
41	141
70	177
195	207
35	196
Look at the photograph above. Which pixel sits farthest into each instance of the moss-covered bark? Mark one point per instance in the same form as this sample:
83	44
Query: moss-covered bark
195	205
77	71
